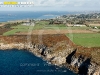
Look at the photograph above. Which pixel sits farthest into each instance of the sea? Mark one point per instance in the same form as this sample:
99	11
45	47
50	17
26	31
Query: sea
6	16
22	62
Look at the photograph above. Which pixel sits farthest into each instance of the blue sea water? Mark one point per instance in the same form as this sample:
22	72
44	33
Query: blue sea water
19	15
15	62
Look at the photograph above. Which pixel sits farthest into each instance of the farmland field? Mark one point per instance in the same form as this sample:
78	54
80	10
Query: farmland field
86	39
16	29
48	29
23	28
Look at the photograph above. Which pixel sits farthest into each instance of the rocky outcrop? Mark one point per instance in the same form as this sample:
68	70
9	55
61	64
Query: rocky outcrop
61	52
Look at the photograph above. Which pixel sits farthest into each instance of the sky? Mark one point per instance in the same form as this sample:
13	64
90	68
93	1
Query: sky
56	5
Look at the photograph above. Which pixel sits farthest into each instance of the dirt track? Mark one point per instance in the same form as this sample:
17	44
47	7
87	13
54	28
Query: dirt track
94	24
55	32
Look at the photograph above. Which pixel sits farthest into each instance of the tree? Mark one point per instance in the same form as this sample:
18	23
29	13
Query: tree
51	21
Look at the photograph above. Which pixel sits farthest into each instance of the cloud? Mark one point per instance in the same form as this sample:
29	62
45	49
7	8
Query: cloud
60	5
69	3
51	2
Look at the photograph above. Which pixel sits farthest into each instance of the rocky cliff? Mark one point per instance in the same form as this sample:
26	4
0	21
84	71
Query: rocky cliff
58	50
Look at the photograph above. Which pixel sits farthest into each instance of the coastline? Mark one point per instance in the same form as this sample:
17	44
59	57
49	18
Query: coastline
66	56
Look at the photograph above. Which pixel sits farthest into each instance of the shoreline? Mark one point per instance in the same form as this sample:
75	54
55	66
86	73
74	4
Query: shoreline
59	69
40	56
66	57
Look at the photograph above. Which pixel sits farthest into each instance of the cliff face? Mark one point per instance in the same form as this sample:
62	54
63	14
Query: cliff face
56	49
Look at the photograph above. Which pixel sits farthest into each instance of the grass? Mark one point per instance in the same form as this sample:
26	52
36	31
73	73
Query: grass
19	28
46	25
62	26
11	32
87	40
79	28
54	26
23	28
38	26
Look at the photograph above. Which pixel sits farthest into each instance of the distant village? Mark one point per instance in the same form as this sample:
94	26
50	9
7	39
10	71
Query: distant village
92	19
78	20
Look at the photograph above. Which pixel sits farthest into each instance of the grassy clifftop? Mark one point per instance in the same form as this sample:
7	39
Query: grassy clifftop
57	49
58	40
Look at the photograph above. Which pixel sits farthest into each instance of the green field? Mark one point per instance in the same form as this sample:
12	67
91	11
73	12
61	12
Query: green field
54	26
79	28
39	25
87	40
23	28
19	28
46	25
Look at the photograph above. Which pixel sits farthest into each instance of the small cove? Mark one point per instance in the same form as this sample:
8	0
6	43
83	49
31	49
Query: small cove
22	62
